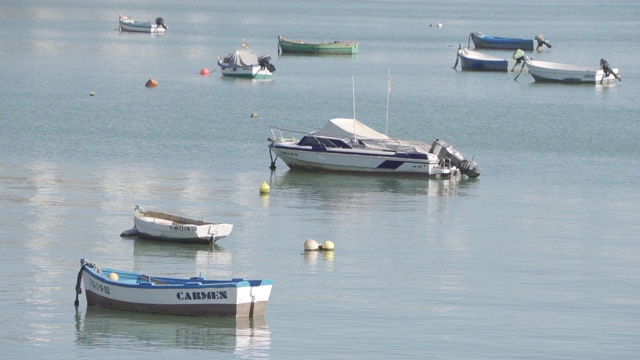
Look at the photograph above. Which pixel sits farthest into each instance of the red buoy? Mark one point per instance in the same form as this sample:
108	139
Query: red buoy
204	71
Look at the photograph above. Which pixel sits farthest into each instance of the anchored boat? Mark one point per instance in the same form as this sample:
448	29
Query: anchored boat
195	296
349	145
166	227
129	24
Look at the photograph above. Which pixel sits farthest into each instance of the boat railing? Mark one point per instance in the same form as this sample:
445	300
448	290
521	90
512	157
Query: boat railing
445	163
281	134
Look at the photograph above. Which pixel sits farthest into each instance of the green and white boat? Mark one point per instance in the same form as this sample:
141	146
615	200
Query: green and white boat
303	47
245	64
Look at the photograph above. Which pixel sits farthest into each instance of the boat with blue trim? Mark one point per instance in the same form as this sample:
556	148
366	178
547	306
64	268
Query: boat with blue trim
195	296
506	43
348	145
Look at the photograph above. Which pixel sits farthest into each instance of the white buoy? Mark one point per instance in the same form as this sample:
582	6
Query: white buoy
92	93
264	188
439	25
310	245
113	276
254	115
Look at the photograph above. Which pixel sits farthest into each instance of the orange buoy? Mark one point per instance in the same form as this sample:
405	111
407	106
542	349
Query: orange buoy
204	71
152	83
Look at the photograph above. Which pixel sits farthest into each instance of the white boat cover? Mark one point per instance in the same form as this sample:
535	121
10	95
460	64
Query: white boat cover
341	127
242	58
344	128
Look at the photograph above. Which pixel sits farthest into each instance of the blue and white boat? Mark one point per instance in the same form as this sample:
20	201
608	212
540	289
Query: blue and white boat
350	146
479	61
195	296
494	42
129	24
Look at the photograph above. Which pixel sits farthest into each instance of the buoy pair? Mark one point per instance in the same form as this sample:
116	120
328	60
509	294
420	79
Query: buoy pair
312	245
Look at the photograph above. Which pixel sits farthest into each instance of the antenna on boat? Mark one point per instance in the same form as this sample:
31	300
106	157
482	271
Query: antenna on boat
353	91
386	130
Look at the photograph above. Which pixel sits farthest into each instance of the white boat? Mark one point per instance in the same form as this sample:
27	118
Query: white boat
160	226
195	296
129	24
349	145
545	71
243	63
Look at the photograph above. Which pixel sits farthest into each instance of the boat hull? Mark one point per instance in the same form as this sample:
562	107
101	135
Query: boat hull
302	47
232	298
544	71
165	227
475	61
352	161
130	25
495	42
247	72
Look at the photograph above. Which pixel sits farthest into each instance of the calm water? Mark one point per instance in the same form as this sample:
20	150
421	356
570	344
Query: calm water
537	259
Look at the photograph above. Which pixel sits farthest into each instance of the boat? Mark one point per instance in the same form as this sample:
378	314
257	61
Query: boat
303	47
243	63
494	42
194	296
166	227
479	61
546	71
129	24
348	145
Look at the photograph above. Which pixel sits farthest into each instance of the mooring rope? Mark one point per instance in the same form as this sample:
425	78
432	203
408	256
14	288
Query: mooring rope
83	263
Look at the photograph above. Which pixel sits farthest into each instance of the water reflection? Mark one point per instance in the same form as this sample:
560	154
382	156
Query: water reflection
315	258
245	337
368	183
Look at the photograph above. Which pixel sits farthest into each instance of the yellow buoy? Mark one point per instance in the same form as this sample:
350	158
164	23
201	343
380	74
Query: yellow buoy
328	245
264	188
310	245
113	276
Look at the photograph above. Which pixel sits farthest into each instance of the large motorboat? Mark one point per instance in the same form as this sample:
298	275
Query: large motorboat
349	145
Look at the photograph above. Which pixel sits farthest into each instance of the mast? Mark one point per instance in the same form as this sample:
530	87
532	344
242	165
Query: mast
353	91
386	130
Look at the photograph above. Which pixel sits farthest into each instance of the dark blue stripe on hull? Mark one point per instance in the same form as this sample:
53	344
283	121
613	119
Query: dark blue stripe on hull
390	164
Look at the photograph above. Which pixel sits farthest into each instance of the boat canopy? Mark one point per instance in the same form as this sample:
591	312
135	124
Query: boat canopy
344	128
242	58
369	138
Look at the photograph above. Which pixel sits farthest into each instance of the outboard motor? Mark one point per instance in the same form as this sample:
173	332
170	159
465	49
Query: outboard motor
541	41
160	22
607	69
444	150
265	62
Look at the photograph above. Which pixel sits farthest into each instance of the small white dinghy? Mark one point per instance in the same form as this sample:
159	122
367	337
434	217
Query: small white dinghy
166	227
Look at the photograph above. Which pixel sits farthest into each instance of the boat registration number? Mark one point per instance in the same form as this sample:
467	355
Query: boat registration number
99	287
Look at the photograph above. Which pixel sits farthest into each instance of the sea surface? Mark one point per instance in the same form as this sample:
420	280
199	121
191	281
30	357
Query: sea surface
538	258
